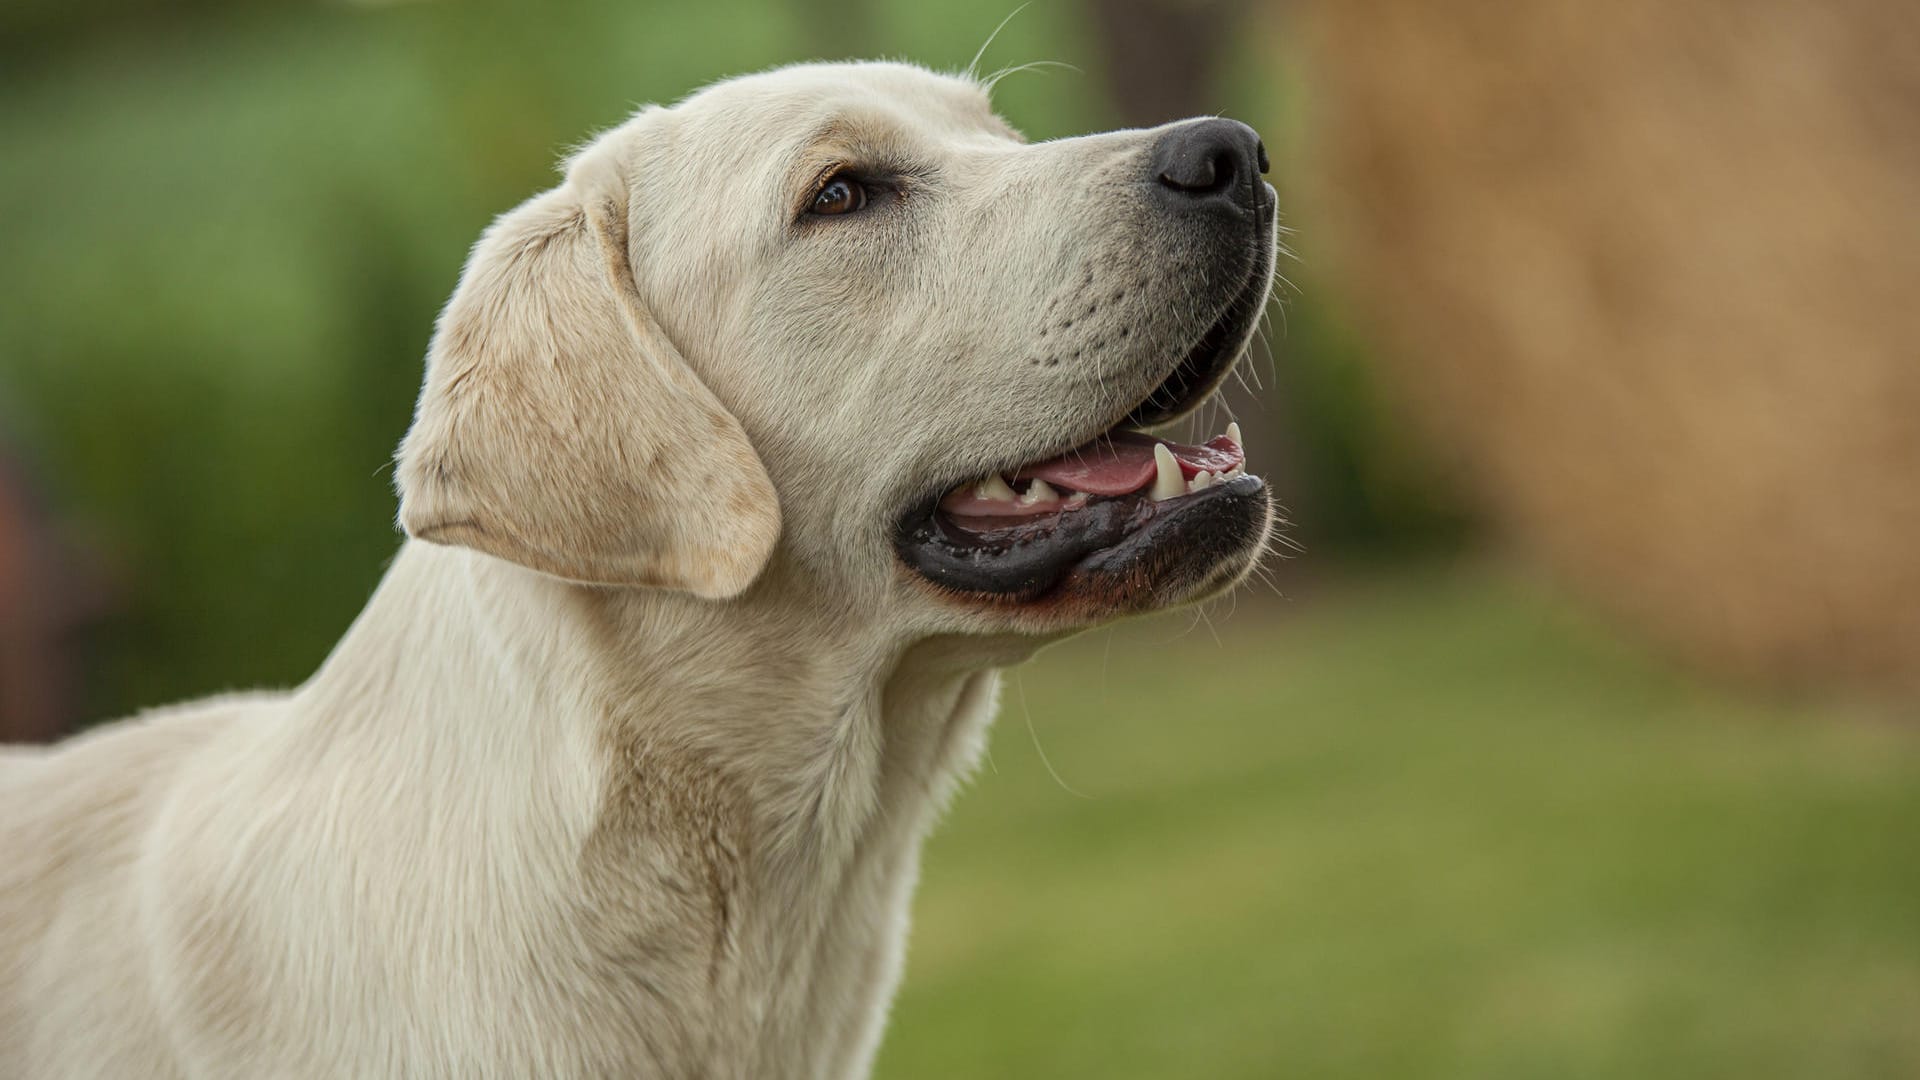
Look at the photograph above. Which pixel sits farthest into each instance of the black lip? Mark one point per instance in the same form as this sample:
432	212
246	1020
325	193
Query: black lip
1175	551
1110	535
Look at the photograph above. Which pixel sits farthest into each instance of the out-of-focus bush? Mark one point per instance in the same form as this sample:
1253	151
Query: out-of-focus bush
1646	270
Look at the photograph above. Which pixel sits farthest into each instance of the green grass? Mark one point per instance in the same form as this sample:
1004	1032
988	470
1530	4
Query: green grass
1437	828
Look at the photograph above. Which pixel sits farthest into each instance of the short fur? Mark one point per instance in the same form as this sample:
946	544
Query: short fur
624	769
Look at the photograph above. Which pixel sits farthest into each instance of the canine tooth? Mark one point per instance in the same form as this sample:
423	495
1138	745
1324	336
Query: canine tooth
1200	480
1233	434
1167	481
994	488
1234	473
1039	492
1076	500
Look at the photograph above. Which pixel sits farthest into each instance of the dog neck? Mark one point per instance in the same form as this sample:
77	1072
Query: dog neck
778	689
789	761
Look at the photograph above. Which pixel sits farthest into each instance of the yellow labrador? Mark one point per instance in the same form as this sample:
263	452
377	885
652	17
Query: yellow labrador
744	458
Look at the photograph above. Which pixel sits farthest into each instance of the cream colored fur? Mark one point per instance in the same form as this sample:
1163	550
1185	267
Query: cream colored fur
624	769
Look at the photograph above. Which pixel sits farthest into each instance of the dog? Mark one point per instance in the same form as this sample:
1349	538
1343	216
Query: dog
744	459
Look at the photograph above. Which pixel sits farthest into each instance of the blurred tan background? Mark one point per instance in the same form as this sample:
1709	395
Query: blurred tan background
1645	273
1575	733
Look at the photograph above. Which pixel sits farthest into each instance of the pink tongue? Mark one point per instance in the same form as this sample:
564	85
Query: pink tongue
1116	465
1124	462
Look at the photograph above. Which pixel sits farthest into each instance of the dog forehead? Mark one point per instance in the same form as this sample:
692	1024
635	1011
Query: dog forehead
788	105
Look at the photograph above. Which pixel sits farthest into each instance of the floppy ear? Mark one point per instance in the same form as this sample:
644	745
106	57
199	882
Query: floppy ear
560	429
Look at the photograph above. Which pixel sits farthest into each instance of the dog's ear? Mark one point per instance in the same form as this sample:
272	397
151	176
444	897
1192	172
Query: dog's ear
560	429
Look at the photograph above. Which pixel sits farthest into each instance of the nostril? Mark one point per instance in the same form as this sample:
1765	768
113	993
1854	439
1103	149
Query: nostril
1204	160
1202	174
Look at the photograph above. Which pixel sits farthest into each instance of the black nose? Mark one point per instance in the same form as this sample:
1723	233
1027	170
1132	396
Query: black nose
1209	160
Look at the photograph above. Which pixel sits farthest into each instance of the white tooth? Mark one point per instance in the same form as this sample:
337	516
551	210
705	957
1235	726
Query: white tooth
1233	434
994	488
1076	500
1167	481
1234	473
1039	492
1200	480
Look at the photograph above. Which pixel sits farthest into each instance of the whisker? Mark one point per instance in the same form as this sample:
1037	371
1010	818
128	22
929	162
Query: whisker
1035	65
973	66
1210	629
1020	686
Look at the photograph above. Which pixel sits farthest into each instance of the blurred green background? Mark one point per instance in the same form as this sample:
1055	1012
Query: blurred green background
1436	802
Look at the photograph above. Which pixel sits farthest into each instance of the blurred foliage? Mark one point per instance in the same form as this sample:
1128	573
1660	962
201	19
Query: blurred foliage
1358	477
1434	826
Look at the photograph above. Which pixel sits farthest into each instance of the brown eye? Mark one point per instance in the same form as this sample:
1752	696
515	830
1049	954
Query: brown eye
841	196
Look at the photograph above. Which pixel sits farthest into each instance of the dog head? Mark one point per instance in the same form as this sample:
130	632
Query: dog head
844	320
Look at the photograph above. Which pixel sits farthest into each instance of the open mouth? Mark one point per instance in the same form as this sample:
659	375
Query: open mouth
1124	513
1122	494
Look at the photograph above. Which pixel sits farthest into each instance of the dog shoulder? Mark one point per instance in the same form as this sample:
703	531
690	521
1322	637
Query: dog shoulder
75	819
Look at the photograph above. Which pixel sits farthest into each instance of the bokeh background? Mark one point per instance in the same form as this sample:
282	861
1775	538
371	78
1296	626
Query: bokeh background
1573	734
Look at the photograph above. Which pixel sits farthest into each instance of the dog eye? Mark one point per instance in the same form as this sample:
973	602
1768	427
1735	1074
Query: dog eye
841	195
